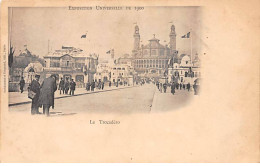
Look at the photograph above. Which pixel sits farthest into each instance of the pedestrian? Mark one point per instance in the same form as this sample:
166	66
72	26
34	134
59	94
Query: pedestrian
177	85
72	87
61	86
46	98
99	84
188	86
160	87
180	86
88	86
109	84
92	85
157	84
67	85
102	85
21	83
173	88
35	87
164	87
183	86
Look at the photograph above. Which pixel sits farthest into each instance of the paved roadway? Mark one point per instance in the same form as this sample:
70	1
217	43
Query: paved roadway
139	99
126	100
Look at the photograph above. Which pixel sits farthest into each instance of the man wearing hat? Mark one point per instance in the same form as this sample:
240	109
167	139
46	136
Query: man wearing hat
22	83
35	87
72	87
46	98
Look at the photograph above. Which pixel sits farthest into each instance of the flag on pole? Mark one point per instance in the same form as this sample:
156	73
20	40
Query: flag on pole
186	35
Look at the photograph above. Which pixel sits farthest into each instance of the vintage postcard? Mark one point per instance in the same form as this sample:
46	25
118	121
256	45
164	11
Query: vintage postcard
129	81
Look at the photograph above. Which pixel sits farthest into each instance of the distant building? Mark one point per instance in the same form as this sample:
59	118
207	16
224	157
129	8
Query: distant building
183	70
152	58
71	63
122	73
125	59
20	66
103	72
24	65
116	70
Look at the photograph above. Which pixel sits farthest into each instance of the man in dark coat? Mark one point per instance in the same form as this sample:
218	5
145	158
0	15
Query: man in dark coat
61	86
164	87
180	86
22	83
99	84
173	88
102	85
35	87
157	84
66	86
188	86
183	86
46	98
93	85
88	86
72	87
177	86
109	83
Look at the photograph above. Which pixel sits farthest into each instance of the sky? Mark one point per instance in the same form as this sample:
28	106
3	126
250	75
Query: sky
105	30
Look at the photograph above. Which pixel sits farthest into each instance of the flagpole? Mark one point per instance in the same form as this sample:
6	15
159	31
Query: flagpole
191	46
191	55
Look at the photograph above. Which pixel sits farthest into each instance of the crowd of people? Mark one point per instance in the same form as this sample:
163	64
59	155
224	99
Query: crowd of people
67	87
162	87
94	84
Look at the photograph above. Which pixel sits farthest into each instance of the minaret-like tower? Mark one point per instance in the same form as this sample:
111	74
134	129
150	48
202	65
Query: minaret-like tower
136	38
172	40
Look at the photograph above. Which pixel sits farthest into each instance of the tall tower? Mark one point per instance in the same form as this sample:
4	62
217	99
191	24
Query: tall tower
172	40
136	38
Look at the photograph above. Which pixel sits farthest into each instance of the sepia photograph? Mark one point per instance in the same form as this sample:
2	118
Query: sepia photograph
129	81
88	60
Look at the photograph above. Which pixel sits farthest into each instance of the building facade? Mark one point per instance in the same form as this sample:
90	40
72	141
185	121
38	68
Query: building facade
103	72
184	70
71	63
24	65
116	71
122	73
152	59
